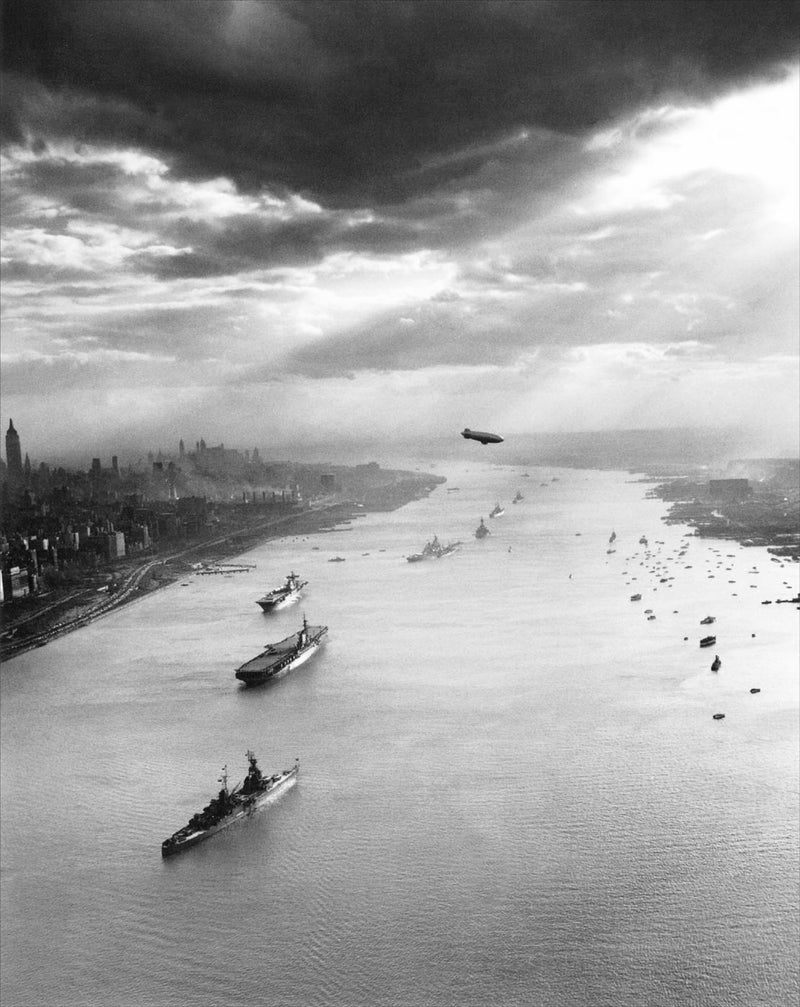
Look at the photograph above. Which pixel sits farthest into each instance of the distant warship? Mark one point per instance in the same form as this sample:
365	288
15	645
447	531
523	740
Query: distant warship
284	595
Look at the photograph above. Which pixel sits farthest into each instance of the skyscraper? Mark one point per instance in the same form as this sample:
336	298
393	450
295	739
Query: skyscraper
13	452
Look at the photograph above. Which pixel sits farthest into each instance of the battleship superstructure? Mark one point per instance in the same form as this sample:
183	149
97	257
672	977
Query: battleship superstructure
433	550
230	806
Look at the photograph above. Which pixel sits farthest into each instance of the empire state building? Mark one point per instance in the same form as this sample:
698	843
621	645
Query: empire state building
13	452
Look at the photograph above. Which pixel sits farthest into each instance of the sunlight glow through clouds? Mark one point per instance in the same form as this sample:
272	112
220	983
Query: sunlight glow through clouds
751	133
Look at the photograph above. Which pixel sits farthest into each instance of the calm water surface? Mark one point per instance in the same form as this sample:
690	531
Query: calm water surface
512	791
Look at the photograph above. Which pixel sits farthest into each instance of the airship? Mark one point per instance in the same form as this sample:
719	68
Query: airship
479	435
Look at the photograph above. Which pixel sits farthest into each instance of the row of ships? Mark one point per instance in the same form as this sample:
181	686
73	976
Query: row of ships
232	804
434	549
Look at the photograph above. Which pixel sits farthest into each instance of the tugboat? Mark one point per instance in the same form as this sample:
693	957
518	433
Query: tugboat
433	550
708	641
482	531
280	658
289	592
497	511
230	806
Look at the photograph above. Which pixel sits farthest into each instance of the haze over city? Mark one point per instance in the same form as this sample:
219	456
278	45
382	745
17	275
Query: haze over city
315	223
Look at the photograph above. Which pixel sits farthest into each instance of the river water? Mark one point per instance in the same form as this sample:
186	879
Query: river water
512	790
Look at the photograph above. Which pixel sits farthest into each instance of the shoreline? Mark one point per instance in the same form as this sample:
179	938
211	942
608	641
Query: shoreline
767	520
149	574
142	576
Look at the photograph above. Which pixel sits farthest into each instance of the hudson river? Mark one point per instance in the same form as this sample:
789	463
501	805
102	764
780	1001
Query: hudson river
512	790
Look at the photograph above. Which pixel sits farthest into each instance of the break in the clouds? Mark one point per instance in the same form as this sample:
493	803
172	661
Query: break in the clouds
541	214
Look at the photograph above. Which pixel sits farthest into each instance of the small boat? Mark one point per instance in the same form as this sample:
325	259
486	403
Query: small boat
719	716
708	620
643	540
716	664
613	537
636	597
497	511
708	641
336	559
754	691
650	618
518	497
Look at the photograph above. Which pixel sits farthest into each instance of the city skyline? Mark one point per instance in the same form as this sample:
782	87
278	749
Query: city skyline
333	224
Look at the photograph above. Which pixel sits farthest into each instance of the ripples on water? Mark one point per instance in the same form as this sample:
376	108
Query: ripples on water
511	792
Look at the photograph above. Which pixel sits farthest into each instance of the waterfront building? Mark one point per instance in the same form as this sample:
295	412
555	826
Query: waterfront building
116	544
729	489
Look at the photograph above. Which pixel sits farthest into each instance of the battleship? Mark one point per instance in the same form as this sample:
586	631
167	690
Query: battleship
230	806
280	658
284	595
433	550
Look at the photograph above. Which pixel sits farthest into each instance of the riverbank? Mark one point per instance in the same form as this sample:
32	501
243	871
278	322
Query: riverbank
40	619
766	515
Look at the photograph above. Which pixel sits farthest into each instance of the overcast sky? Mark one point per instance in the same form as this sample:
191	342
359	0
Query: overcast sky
269	222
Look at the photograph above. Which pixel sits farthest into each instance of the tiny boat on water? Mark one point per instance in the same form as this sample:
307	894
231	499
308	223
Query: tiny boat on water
708	641
716	664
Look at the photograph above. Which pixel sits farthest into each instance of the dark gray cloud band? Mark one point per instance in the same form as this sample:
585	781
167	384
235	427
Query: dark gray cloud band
353	102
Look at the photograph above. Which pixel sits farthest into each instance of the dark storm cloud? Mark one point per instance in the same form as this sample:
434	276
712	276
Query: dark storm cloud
354	101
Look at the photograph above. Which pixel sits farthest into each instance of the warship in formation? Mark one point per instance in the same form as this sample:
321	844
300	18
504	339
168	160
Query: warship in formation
230	806
497	511
280	658
284	595
482	531
433	550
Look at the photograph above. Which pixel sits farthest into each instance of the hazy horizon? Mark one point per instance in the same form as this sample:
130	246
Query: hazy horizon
622	449
328	226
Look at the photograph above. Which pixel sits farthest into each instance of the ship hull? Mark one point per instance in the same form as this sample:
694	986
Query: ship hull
277	662
287	780
273	604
